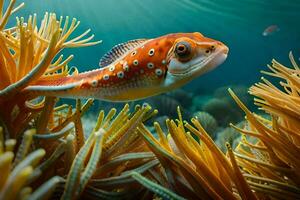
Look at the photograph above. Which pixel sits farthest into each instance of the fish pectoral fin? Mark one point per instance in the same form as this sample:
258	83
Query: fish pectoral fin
119	51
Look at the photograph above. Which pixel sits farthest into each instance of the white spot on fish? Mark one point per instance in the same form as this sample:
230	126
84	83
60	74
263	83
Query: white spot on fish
158	72
133	53
151	52
163	62
105	77
150	65
120	74
94	83
112	68
135	62
126	67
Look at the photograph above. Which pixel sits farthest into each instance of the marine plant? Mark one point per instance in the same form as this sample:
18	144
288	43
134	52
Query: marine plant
270	163
102	165
29	53
265	163
195	170
47	156
165	104
240	90
222	106
222	111
21	168
93	167
208	122
184	97
230	135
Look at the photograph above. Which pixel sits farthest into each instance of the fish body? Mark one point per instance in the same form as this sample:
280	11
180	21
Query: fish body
140	68
270	30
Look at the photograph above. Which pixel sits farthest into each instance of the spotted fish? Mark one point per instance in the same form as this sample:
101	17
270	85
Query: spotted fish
141	68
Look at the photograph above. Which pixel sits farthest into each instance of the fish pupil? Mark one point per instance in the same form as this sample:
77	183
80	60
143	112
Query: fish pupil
183	50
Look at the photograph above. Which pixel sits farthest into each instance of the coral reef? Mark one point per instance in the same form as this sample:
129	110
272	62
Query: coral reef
208	122
21	167
271	164
29	53
240	90
199	101
116	145
195	170
230	135
185	98
166	105
48	153
263	165
222	111
221	106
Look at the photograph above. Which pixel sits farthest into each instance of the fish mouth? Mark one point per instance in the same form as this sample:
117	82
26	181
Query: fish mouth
203	65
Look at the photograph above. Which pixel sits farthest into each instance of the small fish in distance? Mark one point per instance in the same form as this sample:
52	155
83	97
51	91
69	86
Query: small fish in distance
270	30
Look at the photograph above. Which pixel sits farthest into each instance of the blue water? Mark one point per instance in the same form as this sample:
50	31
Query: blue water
239	24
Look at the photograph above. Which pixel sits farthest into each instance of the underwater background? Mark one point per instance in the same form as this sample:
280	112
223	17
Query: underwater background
210	139
238	24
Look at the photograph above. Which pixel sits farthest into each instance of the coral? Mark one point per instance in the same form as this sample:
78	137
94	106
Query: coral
46	152
114	142
29	53
222	111
222	106
240	90
208	122
271	164
194	170
185	98
166	105
264	164
21	168
229	135
116	145
199	101
161	120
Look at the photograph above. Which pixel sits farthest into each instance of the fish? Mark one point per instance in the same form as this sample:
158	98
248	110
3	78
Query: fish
270	30
140	68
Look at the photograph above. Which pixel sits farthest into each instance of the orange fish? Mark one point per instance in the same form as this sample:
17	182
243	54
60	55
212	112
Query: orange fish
141	68
270	30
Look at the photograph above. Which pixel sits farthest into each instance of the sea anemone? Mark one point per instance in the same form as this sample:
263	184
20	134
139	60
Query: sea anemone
194	170
103	164
121	158
184	97
28	53
229	135
222	111
270	164
22	167
240	90
165	104
208	122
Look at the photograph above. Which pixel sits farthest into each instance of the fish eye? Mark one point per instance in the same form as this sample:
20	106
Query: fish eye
183	51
